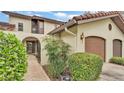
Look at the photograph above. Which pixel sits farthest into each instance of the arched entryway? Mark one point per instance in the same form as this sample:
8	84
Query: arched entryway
96	45
117	48
33	46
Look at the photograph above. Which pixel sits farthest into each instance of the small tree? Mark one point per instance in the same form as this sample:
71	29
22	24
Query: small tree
57	52
13	59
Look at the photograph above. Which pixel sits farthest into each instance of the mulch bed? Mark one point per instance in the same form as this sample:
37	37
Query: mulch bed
45	67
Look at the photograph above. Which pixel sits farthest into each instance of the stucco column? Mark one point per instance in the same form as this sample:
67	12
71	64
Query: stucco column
80	43
83	45
44	58
80	46
122	48
108	49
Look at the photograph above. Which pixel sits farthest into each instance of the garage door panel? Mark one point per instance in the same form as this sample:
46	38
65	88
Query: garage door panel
95	45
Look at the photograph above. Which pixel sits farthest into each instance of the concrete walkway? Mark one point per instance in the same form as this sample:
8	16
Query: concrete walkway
112	72
35	71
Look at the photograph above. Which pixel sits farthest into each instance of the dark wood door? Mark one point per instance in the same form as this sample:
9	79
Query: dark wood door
95	45
117	48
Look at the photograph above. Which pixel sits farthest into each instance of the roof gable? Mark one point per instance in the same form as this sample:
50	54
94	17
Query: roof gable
114	15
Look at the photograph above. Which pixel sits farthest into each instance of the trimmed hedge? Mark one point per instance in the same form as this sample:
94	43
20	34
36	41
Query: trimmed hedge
117	60
85	66
13	59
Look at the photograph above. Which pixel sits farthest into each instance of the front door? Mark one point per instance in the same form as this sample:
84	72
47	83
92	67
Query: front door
30	47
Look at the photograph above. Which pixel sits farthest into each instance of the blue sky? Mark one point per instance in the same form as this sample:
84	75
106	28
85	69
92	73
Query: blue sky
58	15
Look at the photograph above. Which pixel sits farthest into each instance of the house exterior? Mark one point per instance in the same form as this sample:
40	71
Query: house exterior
100	33
30	30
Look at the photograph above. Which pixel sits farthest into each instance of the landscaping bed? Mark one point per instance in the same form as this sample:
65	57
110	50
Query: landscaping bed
81	66
76	67
45	67
117	60
57	52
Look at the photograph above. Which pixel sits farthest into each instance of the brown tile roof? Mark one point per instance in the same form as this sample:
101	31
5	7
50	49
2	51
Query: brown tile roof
7	26
114	15
94	15
31	17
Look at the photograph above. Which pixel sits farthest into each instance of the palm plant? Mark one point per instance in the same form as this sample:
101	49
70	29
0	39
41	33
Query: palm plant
57	52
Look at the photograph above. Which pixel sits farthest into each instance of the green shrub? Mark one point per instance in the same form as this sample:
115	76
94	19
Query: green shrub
57	52
13	61
117	60
85	66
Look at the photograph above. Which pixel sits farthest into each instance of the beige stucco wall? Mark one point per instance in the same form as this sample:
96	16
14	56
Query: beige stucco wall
48	27
100	28
96	28
26	23
69	38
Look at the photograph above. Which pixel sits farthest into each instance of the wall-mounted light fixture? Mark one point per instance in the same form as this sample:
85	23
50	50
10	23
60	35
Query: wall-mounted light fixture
82	36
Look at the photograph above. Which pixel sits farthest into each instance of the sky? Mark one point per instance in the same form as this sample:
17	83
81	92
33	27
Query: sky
57	15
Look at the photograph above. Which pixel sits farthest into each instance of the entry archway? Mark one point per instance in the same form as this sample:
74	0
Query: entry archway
33	46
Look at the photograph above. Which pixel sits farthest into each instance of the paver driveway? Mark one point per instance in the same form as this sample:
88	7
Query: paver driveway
112	72
35	71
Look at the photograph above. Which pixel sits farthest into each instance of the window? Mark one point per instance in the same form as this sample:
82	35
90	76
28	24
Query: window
34	26
20	26
38	26
110	27
41	27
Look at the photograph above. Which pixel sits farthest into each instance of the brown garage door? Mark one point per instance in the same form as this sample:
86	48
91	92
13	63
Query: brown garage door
95	45
117	48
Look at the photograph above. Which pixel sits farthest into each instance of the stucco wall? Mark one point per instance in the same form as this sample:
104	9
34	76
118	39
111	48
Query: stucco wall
48	27
100	28
69	38
26	24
